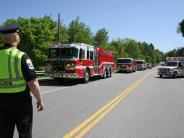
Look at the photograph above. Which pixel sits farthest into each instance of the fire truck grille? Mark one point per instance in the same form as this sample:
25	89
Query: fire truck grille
123	66
58	65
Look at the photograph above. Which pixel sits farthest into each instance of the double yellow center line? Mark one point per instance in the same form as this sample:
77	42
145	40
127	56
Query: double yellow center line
83	128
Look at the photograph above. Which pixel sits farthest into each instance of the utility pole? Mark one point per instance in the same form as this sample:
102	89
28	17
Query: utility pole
58	28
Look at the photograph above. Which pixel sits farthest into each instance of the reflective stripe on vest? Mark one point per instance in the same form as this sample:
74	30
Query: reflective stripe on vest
11	77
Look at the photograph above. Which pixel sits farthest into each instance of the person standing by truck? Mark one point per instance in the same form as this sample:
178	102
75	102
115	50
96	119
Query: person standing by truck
17	78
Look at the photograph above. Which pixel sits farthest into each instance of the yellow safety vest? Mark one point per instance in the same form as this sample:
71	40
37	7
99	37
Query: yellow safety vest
11	77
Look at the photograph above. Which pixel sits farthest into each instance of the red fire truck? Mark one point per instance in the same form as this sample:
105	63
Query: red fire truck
126	64
78	61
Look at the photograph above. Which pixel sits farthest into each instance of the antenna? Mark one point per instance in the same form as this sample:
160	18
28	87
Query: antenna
58	28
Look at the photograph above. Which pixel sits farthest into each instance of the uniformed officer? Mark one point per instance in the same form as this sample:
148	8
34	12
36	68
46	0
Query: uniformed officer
17	78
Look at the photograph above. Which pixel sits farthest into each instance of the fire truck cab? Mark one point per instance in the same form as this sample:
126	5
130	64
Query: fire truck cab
78	61
126	64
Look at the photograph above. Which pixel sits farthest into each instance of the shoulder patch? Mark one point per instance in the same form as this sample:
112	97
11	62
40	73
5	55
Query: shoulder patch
30	64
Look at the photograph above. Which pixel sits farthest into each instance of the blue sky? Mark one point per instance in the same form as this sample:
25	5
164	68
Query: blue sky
152	21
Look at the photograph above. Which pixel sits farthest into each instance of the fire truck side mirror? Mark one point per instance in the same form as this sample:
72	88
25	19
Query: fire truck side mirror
179	64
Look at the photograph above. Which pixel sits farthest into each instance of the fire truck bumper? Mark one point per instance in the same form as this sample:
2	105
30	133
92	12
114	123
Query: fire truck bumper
125	69
63	75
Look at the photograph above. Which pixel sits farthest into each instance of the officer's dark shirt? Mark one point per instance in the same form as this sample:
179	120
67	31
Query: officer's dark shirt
29	74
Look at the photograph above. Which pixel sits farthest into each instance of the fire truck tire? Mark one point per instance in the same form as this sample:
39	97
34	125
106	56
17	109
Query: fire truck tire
131	71
110	73
86	76
105	74
160	75
175	75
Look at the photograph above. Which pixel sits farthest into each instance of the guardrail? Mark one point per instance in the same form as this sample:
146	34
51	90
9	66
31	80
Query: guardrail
40	72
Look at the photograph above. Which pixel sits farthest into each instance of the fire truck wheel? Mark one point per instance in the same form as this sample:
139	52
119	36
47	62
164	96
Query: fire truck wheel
105	74
131	71
160	75
109	73
86	76
175	75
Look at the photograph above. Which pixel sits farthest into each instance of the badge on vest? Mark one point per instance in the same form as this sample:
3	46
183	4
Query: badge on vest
30	64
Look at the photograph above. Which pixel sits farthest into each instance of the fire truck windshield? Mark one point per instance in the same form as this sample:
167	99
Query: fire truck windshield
69	53
170	63
140	62
124	61
54	53
65	53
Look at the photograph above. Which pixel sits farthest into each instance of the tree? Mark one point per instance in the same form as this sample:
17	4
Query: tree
181	28
101	37
148	52
37	34
79	32
159	56
1	42
176	53
118	48
132	48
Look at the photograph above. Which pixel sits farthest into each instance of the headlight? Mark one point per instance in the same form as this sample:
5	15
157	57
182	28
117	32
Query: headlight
70	66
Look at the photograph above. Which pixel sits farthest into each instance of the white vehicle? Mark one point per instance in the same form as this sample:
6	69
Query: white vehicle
173	67
141	64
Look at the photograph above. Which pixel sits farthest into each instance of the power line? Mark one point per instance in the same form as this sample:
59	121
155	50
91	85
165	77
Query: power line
104	9
111	7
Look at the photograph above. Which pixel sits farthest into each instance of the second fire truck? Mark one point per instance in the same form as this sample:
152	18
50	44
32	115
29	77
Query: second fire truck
78	61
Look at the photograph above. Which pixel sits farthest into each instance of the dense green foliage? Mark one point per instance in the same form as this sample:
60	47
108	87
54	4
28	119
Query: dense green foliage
180	51
101	37
181	27
136	50
37	34
79	32
176	53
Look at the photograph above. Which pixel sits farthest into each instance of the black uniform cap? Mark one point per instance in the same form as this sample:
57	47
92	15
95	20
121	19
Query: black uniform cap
11	28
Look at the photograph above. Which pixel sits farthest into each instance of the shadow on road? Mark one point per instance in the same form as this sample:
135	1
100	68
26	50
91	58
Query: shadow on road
64	82
169	77
123	72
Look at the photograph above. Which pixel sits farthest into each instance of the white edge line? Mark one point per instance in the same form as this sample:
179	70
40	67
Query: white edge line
53	90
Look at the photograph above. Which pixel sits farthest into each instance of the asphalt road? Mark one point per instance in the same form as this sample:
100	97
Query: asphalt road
127	105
